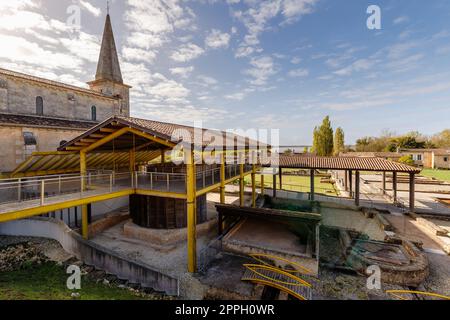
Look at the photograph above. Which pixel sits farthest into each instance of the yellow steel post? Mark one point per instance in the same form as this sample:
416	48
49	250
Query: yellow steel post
163	156
84	208
262	185
222	179
132	160
241	185
191	212
253	186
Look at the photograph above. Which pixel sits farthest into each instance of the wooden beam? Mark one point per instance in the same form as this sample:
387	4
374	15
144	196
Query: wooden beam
98	136
99	143
107	130
357	187
312	181
412	183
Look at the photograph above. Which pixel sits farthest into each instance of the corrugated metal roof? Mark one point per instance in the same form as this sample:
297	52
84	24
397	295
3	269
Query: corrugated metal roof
342	163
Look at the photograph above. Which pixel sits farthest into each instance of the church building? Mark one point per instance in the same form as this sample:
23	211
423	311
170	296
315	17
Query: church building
37	114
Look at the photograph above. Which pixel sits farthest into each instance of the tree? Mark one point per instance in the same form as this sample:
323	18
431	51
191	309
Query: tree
323	139
315	140
288	152
407	160
363	144
339	141
442	139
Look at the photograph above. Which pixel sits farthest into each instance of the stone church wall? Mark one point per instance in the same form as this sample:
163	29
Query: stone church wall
58	102
14	151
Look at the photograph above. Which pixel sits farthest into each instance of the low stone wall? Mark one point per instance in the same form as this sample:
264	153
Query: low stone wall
165	238
92	254
109	221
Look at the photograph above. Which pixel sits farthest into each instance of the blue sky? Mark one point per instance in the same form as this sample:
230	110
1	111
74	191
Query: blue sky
282	64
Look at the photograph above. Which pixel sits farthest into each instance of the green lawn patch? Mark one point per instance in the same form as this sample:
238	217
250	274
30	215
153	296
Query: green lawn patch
48	282
297	184
443	175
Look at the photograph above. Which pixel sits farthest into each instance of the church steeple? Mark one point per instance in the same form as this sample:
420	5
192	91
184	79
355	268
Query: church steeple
108	67
108	79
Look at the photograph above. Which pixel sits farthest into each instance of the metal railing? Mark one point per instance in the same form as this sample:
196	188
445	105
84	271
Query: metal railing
156	181
94	183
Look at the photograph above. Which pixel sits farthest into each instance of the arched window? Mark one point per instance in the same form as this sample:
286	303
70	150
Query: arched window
39	106
94	113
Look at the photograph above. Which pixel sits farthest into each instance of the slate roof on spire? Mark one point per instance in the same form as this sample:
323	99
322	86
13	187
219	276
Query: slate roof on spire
108	67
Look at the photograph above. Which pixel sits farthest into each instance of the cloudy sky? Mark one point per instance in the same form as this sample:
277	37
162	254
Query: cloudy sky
251	63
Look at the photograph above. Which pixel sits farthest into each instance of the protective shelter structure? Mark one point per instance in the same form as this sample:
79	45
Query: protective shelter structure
126	156
349	165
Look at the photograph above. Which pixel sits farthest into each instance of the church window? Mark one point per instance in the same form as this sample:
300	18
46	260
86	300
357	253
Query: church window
29	139
39	106
94	113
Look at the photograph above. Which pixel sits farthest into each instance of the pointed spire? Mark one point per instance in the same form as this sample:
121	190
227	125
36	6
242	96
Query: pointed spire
108	67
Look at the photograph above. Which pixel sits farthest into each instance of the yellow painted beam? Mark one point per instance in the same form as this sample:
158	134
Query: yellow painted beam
208	189
107	130
161	194
22	166
84	221
132	160
262	185
53	153
254	187
105	140
241	185
44	173
222	178
166	143
31	212
98	136
191	212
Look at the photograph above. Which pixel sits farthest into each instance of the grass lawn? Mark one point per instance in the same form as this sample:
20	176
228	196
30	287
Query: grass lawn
298	184
48	282
443	175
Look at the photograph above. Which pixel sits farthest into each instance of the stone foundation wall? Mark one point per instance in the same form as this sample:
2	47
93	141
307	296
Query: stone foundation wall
90	253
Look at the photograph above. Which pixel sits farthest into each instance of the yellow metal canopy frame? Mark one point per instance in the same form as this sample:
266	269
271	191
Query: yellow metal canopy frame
54	163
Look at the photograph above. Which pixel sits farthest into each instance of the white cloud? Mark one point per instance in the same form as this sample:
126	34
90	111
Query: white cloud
296	60
187	52
217	39
256	19
401	19
262	69
238	96
294	9
136	54
183	72
92	9
297	73
207	81
358	65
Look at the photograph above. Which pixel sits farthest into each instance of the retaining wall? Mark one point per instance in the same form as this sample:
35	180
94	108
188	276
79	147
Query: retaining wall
93	254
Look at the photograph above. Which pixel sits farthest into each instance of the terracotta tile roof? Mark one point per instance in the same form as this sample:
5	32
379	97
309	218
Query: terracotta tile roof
371	154
163	130
35	121
343	163
53	83
437	152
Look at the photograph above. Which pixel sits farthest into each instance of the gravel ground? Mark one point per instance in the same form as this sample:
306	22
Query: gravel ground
439	279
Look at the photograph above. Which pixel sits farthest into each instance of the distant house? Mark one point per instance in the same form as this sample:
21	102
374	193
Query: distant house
429	158
393	156
424	158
